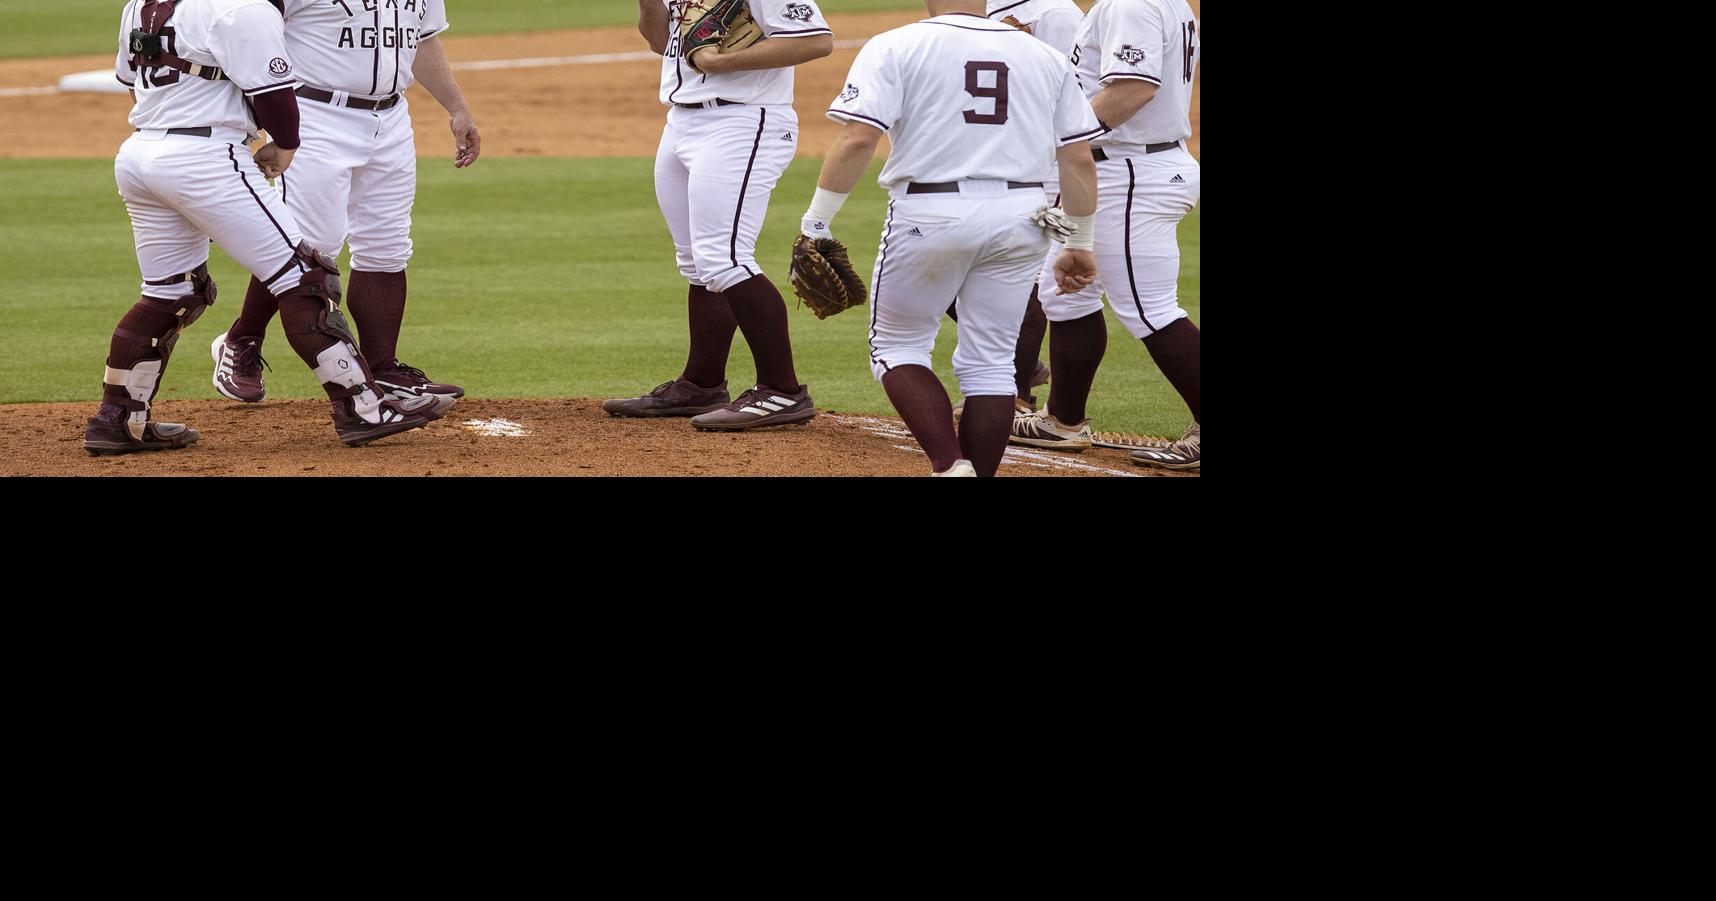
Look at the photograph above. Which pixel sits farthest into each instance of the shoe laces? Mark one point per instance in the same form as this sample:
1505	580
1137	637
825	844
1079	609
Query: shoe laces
661	389
249	357
412	371
746	398
1191	439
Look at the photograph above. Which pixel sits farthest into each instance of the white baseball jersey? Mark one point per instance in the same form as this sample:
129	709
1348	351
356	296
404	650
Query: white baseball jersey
245	38
962	97
778	18
1152	40
1054	22
362	47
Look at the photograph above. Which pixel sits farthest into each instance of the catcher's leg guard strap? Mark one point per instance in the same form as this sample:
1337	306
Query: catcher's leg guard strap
321	275
133	390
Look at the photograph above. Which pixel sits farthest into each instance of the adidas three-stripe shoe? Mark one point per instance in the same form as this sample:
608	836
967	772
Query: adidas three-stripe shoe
759	408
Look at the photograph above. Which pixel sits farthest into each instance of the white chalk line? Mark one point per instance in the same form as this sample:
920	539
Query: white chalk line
487	65
895	432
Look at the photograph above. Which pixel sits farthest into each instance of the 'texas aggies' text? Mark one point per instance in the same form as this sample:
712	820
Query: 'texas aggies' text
369	37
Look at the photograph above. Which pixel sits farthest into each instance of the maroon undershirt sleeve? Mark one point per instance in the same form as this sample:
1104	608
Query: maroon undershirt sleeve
277	113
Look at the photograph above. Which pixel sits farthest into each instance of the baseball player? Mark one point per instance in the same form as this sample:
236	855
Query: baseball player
974	110
198	69
731	132
356	180
1136	60
1056	23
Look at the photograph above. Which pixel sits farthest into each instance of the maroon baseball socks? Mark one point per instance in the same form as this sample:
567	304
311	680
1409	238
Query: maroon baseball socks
984	427
761	314
1029	350
377	304
1178	352
1076	349
922	402
259	309
712	327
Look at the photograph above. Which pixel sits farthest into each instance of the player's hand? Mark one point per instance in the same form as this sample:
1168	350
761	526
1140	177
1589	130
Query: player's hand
712	60
1074	271
467	141
273	161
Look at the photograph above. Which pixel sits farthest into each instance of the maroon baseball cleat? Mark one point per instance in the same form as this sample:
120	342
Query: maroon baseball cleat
759	408
402	382
358	423
673	398
108	434
238	369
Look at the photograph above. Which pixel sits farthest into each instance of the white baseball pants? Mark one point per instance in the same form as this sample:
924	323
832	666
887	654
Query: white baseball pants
355	180
1139	204
714	172
183	191
978	245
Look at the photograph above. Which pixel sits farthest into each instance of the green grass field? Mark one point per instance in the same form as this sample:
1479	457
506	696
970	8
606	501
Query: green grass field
533	278
65	27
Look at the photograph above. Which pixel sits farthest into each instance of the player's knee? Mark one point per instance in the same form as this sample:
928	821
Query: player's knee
167	292
1158	315
1067	307
719	279
885	359
982	379
389	259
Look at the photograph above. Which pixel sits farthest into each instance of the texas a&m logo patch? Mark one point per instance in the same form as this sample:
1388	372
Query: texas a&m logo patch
798	12
1129	54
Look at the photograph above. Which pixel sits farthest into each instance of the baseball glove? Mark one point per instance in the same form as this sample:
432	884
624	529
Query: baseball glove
823	277
724	24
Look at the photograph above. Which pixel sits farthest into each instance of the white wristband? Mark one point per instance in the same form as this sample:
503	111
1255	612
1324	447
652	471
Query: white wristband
825	205
1084	237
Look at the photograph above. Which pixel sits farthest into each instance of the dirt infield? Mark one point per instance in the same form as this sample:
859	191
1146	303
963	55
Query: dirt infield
607	108
497	438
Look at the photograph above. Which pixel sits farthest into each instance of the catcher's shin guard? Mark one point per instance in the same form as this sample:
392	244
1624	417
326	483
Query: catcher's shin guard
311	313
133	384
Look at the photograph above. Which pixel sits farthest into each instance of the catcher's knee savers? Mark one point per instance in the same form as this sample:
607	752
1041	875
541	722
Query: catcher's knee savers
185	310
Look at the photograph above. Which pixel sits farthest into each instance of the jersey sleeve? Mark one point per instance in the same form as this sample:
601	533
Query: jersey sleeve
789	18
1058	27
435	22
873	94
1074	119
249	44
122	64
1132	42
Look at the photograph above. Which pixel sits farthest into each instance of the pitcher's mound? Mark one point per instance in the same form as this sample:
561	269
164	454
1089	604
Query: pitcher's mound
499	438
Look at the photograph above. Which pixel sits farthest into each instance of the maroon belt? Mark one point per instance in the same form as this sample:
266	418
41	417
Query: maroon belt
1101	157
322	96
952	187
700	106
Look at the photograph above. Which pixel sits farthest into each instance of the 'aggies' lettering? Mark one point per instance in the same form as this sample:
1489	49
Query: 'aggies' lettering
390	38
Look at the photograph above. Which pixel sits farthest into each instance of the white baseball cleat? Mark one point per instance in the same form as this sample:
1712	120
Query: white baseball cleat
1040	429
961	469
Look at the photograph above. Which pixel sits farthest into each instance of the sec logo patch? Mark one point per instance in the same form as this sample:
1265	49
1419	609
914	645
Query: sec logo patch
279	67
